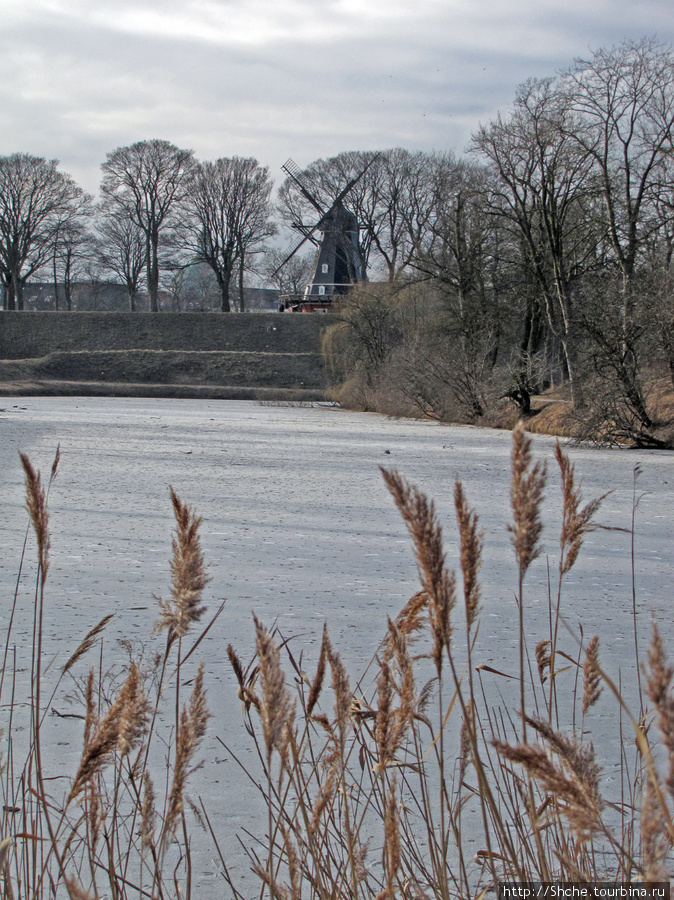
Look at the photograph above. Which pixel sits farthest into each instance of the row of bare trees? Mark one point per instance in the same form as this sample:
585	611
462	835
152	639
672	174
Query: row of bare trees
545	254
546	251
160	210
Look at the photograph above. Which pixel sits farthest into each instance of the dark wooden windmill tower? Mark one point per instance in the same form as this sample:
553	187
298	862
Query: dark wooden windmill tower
339	259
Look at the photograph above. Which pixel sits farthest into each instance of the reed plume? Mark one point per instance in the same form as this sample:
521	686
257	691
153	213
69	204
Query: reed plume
572	778
188	574
471	553
95	813
236	665
246	680
384	713
324	797
134	711
437	582
87	642
317	683
392	723
36	504
591	675
99	747
659	689
76	891
526	494
277	709
121	728
543	660
391	841
90	719
148	818
654	835
576	521
410	619
465	743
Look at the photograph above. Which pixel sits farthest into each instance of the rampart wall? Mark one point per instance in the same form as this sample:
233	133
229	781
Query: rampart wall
30	335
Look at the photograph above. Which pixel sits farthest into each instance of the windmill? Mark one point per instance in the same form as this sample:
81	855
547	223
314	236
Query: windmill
339	261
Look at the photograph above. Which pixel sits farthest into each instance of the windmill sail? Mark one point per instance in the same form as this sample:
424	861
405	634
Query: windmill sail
339	259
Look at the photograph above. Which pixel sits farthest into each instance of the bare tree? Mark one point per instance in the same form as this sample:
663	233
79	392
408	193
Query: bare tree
72	249
120	249
34	199
460	254
545	187
194	289
624	101
403	213
229	217
148	182
290	276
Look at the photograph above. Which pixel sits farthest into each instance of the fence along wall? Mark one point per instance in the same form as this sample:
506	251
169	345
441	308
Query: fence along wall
30	335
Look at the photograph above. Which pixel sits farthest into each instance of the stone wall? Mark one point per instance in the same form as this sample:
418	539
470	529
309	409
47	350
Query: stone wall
26	335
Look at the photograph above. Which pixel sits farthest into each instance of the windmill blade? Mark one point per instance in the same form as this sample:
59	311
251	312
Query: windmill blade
354	181
306	230
291	169
306	238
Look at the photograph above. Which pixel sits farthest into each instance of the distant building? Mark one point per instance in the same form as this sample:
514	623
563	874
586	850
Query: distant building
104	296
101	296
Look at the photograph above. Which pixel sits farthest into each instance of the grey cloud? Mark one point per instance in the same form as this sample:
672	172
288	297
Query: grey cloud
74	87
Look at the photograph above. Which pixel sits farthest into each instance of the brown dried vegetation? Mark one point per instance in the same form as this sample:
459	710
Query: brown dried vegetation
382	788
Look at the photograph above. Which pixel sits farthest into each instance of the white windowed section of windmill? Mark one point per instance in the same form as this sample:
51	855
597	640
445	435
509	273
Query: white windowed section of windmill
325	268
321	288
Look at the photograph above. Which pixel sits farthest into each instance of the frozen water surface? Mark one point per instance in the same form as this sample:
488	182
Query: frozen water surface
299	528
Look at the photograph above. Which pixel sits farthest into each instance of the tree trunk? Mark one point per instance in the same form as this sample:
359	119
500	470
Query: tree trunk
241	297
56	284
67	279
667	337
10	295
153	272
570	358
223	279
15	297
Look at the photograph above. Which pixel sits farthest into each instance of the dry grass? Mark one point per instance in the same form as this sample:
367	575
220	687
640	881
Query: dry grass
553	413
417	783
106	834
394	800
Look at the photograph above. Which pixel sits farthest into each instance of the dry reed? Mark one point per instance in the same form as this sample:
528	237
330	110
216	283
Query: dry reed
659	690
193	721
592	682
36	504
576	521
374	790
437	582
188	574
87	642
276	705
526	493
471	553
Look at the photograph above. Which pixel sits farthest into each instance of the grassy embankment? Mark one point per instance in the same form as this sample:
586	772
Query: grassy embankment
553	413
300	376
167	373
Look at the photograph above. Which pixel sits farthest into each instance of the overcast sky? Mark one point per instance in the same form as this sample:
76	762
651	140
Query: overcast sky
279	78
